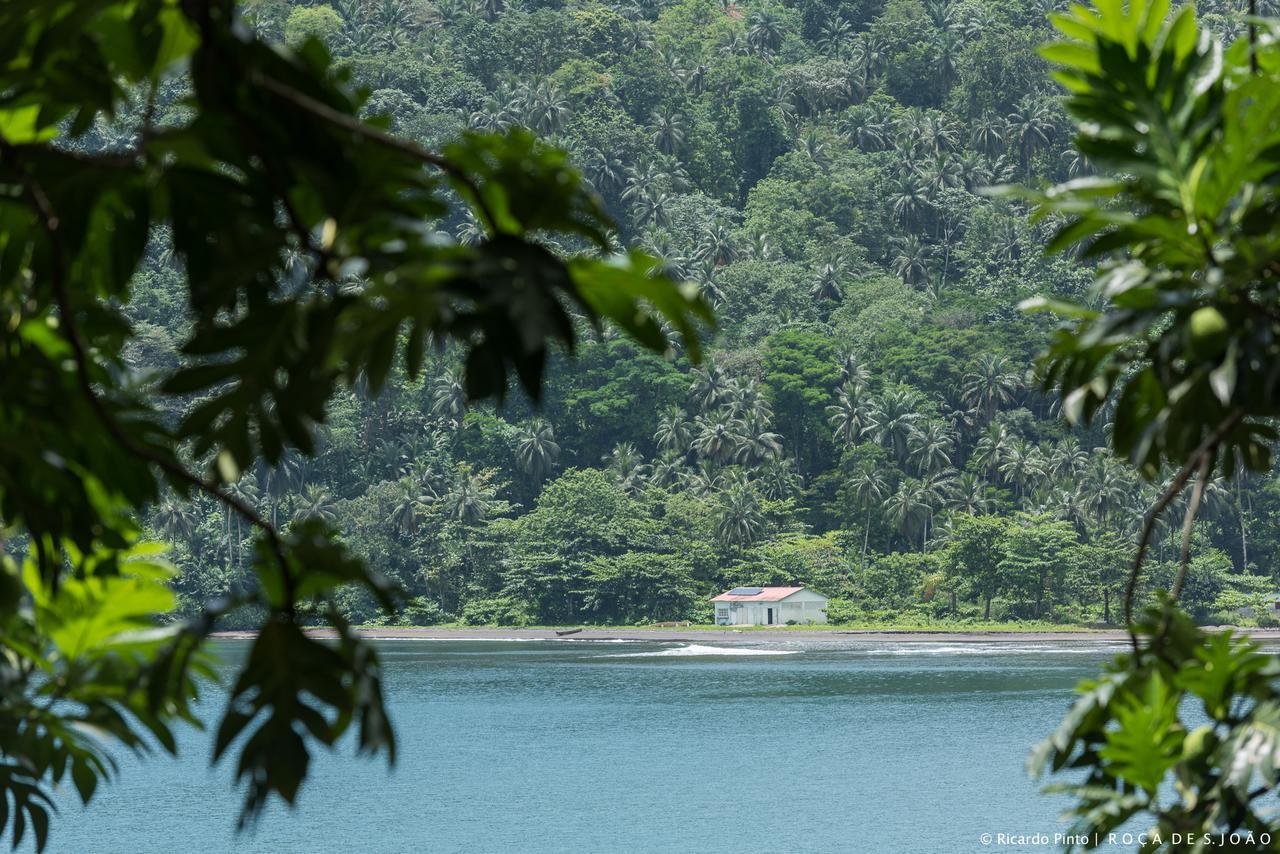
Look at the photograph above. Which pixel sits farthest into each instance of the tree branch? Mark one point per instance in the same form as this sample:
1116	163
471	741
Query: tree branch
354	125
1205	450
49	222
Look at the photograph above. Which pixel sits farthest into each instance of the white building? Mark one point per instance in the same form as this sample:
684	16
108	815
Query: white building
769	606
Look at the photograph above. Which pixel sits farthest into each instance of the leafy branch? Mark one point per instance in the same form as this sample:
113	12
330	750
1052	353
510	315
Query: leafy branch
1183	348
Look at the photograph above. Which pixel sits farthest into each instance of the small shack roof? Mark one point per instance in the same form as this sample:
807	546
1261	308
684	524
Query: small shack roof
758	594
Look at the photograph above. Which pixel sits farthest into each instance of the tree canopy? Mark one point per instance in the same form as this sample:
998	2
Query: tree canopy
266	160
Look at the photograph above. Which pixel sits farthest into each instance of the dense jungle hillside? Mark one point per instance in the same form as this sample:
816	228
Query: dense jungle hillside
868	421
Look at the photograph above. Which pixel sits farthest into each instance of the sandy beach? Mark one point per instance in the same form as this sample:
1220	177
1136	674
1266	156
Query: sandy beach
1084	636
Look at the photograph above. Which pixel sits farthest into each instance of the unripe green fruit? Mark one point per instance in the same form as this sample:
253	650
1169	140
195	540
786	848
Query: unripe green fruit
1198	742
1207	332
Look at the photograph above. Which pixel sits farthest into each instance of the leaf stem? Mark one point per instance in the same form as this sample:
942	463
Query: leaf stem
1203	452
350	123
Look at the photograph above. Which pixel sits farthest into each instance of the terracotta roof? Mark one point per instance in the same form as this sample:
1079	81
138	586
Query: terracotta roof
766	594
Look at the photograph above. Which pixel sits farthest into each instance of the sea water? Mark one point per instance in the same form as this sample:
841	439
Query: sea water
587	746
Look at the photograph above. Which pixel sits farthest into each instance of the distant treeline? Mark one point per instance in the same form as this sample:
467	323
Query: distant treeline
868	422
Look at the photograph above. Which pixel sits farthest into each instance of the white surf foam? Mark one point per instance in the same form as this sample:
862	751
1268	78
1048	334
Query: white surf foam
700	650
996	649
514	640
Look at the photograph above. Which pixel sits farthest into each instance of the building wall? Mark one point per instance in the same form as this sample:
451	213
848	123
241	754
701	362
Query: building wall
805	610
803	607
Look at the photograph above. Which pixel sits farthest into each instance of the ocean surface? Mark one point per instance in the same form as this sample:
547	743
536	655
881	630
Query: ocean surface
643	746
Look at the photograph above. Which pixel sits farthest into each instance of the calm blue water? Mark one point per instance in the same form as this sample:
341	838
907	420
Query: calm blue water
581	746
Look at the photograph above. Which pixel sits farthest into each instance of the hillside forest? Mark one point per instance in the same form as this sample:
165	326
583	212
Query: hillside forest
868	421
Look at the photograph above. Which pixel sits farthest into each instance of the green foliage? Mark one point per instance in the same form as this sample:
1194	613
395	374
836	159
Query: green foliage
1182	235
308	263
272	291
319	22
1131	740
1180	348
84	666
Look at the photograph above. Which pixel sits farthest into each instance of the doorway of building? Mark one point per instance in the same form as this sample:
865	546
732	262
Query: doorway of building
771	616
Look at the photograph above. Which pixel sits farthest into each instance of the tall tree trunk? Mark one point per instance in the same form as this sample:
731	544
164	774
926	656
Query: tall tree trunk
1106	606
866	538
986	612
1244	525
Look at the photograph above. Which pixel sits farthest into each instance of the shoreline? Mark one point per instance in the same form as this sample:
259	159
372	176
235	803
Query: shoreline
779	635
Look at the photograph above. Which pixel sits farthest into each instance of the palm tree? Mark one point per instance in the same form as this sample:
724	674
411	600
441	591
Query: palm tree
707	278
849	416
1067	459
315	503
627	467
867	488
974	170
738	517
853	373
765	32
906	508
176	519
546	109
704	480
605	171
637	37
947	48
1020	464
667	469
667	129
815	148
935	133
760	247
970	494
1007	244
1031	124
746	401
940	173
984	19
913	259
892	420
935	491
826	279
651	207
869	54
388	457
247	492
718	245
778	478
717	435
471	498
756	443
1077	163
708	385
286	476
838	37
449	398
988	133
409	505
471	231
536	450
991	448
672	434
931	447
1105	486
990	385
908	198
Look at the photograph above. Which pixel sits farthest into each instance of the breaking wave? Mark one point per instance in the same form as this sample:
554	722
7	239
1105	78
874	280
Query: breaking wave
693	650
